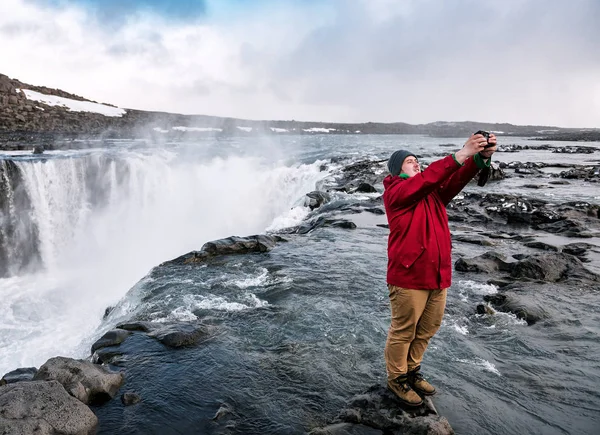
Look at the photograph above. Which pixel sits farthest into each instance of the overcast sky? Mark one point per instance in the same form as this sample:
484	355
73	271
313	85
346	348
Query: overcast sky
416	61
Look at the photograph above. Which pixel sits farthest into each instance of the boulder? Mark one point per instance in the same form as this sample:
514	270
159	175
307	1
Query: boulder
487	263
19	375
43	408
88	382
316	199
529	309
552	268
111	338
379	408
181	334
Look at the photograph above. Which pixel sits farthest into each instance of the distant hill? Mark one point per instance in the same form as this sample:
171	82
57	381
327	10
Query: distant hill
38	113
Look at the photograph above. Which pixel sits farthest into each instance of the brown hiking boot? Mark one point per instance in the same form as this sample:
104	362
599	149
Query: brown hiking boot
404	392
419	384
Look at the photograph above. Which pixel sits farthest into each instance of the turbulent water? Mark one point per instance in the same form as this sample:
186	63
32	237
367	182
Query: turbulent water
302	328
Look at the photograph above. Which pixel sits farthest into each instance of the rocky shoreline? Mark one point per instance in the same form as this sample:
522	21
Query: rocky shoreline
61	395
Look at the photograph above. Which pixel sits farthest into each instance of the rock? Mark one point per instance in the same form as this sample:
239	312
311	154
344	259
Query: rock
566	227
340	223
379	408
107	312
527	309
43	408
574	150
111	338
181	334
88	382
228	246
365	188
107	355
19	375
552	268
487	263
346	429
130	399
541	245
38	149
137	326
577	249
316	199
240	245
476	239
559	182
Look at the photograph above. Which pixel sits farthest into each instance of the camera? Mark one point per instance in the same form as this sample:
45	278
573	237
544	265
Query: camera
485	134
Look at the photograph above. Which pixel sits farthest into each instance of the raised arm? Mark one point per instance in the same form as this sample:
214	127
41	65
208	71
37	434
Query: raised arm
406	192
454	184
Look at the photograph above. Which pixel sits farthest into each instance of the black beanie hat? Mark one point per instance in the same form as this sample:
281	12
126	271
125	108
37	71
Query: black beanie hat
396	160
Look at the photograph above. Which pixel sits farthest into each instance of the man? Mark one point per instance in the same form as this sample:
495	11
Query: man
419	255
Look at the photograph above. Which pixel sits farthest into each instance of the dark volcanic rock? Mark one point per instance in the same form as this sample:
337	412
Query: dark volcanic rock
129	399
365	188
574	150
541	245
181	334
176	334
316	199
379	408
88	382
111	338
19	375
43	408
552	268
524	308
230	245
487	263
585	173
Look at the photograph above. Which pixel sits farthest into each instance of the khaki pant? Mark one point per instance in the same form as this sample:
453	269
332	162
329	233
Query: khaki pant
416	317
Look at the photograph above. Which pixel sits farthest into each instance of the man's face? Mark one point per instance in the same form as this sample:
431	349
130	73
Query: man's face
411	166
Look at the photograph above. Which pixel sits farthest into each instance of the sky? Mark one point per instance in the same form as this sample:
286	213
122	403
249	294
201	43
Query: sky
416	61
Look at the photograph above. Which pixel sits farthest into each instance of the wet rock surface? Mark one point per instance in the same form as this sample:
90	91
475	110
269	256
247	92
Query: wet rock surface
43	408
378	411
90	383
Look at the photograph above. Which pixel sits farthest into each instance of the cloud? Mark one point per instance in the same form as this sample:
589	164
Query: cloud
526	62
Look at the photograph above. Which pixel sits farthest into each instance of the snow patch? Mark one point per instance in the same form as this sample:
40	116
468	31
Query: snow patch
246	129
279	130
318	130
203	129
73	105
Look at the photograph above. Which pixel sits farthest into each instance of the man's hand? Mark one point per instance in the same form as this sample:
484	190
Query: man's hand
487	152
472	146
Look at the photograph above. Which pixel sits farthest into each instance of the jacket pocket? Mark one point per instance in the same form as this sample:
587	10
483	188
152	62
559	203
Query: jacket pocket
408	257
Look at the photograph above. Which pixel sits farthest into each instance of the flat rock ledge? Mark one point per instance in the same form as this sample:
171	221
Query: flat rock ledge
54	399
377	411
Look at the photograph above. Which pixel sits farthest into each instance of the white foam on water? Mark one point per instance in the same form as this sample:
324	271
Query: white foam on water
482	364
468	288
105	220
251	281
289	219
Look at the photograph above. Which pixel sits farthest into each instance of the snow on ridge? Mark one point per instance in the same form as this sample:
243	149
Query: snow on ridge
319	130
181	128
73	105
279	130
246	129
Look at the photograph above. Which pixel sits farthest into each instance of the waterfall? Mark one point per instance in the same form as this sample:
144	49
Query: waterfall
79	229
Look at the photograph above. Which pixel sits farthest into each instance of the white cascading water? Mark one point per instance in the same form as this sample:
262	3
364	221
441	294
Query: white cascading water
104	222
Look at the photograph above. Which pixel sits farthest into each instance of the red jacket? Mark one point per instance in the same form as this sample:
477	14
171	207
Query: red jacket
419	246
